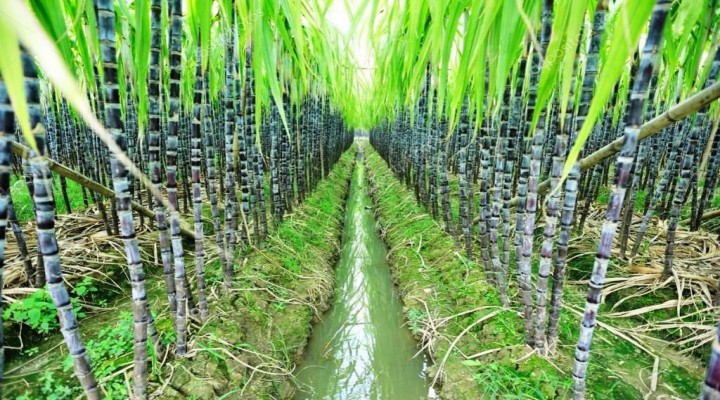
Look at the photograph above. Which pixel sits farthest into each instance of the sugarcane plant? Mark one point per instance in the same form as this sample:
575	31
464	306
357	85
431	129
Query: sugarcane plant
524	103
152	116
533	125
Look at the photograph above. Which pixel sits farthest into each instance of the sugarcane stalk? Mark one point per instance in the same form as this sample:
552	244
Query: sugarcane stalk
195	166
123	196
154	150
171	173
560	261
47	241
633	121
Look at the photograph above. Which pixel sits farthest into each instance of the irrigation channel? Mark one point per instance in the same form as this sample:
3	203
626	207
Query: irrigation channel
361	348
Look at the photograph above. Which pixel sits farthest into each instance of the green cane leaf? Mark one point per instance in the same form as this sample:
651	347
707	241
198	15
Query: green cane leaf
12	74
631	19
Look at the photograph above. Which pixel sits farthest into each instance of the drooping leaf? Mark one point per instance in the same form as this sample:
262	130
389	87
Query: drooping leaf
632	17
12	74
141	57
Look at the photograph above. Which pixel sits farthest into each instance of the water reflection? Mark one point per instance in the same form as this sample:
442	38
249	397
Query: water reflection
361	350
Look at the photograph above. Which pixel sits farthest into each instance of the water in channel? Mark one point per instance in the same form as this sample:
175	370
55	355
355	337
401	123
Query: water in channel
360	349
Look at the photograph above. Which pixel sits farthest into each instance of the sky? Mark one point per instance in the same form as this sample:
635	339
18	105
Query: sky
339	16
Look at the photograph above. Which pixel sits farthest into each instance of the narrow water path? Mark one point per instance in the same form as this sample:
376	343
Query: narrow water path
361	350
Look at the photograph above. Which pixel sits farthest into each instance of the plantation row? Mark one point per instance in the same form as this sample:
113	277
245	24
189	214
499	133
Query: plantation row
521	149
168	107
200	137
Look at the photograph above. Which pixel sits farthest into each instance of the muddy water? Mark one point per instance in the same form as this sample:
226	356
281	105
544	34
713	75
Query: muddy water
361	350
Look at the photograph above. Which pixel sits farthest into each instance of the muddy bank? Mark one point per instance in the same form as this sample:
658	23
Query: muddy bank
282	285
256	333
478	345
423	264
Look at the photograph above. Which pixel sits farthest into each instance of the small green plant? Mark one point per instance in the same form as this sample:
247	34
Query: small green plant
213	274
31	351
279	305
168	338
291	264
506	381
38	312
110	350
111	342
213	354
716	201
115	389
415	317
87	291
52	388
86	287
